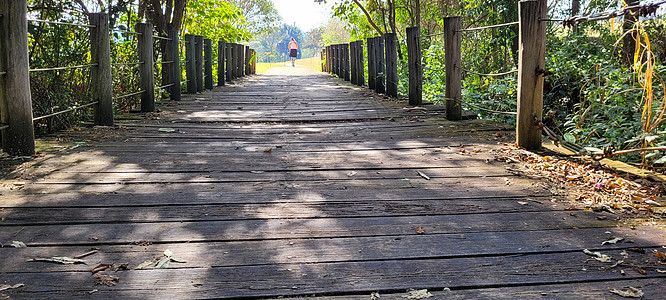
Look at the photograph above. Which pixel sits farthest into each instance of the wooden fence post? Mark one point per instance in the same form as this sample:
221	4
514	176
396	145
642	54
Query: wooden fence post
372	75
345	61
198	58
221	48
15	96
531	63
335	60
174	68
190	65
241	60
380	84
329	59
208	64
390	45
453	63
352	63
229	66
360	63
100	54
414	65
248	58
146	77
254	62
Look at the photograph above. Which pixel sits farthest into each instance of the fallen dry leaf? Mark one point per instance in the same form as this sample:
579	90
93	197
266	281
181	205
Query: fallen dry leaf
420	230
660	255
4	287
426	177
612	241
598	256
59	259
631	292
18	244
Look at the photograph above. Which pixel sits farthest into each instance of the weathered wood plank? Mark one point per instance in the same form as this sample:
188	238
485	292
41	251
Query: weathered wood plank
65	214
310	251
330	278
261	228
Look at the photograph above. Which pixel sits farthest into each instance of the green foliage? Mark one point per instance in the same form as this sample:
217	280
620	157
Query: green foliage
216	19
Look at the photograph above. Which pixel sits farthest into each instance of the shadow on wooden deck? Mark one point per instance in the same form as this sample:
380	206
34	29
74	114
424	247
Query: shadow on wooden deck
299	184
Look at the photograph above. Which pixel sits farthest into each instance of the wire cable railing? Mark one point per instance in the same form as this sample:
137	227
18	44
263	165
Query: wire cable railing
61	23
65	111
636	10
63	68
487	27
129	95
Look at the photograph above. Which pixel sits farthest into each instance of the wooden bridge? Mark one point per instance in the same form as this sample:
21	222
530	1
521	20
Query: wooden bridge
295	183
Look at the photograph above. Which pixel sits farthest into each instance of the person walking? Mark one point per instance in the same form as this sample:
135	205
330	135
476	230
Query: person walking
293	51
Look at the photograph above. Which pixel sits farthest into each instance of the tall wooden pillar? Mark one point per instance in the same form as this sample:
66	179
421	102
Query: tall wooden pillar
15	97
414	65
360	63
198	59
174	67
372	75
190	64
146	77
453	63
208	64
531	58
391	52
380	65
221	49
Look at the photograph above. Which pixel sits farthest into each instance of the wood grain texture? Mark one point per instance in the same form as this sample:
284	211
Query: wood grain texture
262	198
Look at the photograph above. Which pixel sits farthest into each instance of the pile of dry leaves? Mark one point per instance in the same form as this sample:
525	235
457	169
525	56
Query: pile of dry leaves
588	183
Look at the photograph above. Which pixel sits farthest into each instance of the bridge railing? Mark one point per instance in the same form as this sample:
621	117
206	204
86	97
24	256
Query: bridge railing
383	77
16	115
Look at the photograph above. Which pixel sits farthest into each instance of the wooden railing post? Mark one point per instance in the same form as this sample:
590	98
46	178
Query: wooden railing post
329	59
414	65
334	48
190	64
380	84
241	60
352	63
208	64
345	61
390	45
174	67
453	63
360	63
531	60
372	75
146	77
15	97
221	49
248	57
198	58
100	55
229	66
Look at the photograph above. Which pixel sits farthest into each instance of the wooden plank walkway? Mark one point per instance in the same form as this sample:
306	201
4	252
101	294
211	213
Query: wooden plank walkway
298	184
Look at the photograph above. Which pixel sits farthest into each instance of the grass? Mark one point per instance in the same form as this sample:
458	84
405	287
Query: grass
313	62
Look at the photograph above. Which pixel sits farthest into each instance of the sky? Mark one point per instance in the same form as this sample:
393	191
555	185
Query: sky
305	13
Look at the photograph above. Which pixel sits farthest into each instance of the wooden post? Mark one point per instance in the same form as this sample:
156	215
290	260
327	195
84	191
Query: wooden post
208	64
198	58
352	63
531	59
414	65
453	63
241	60
372	76
146	77
221	48
100	55
329	59
380	84
254	62
360	64
228	50
190	64
335	60
345	61
390	45
248	57
15	97
174	91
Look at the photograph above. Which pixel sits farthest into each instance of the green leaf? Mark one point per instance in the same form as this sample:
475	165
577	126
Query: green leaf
569	137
